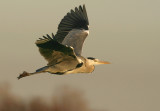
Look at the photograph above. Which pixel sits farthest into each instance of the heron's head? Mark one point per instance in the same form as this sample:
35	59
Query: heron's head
95	61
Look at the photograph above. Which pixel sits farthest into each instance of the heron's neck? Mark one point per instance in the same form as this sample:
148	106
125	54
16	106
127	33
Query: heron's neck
89	65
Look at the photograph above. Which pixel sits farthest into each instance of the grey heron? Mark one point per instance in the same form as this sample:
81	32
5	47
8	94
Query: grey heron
63	50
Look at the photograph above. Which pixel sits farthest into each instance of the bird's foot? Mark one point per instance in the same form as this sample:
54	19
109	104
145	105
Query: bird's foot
24	74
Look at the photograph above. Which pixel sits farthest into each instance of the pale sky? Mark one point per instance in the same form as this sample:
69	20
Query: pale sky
124	32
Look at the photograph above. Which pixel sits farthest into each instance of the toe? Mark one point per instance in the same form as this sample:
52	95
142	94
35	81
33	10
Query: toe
24	74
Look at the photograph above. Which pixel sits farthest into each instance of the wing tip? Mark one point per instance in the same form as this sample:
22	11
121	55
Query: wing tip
75	18
45	39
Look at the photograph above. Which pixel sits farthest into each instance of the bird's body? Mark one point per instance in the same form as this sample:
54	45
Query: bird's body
68	67
63	51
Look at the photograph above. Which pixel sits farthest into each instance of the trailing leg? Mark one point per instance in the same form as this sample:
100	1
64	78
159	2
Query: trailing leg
24	74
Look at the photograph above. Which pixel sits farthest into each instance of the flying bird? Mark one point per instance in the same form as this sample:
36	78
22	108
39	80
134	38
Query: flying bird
63	50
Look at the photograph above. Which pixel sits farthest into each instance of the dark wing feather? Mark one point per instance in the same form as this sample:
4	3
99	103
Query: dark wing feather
75	19
51	50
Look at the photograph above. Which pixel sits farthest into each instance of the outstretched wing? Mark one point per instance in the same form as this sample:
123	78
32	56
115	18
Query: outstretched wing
75	19
55	52
72	29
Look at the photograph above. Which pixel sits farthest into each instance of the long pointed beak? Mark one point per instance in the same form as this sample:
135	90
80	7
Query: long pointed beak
103	62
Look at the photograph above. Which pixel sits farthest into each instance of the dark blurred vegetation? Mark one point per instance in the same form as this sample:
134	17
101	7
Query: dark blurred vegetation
64	99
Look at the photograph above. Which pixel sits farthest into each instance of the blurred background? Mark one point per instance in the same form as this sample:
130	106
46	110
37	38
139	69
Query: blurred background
123	32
